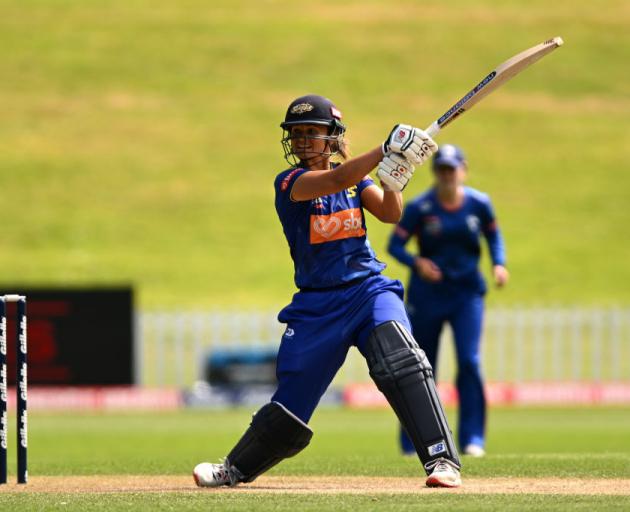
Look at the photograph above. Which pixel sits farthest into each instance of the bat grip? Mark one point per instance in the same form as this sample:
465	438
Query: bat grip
433	129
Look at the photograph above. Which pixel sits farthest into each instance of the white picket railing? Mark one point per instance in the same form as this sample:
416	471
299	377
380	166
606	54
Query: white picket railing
519	344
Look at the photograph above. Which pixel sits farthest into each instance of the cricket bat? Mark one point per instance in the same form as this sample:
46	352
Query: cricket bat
493	80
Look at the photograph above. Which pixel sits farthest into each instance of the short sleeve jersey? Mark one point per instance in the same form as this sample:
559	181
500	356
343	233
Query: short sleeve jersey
327	236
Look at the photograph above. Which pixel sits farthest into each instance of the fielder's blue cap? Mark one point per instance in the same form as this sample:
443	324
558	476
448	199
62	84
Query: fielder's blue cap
448	155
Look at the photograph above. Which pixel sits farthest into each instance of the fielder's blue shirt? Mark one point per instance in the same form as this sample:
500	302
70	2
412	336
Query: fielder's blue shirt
450	238
327	236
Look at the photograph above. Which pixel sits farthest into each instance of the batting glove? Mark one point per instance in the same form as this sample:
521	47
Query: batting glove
395	171
415	144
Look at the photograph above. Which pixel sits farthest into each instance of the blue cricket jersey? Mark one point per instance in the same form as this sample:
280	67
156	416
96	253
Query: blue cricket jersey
327	236
450	238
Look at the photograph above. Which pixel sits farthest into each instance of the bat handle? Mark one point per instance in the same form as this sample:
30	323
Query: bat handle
433	130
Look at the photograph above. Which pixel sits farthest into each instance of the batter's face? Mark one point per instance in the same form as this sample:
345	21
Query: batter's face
306	142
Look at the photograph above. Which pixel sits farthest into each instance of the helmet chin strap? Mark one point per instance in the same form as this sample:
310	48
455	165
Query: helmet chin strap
326	154
314	159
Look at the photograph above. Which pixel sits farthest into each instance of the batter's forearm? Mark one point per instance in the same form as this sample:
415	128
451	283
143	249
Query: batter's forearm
392	206
314	184
354	170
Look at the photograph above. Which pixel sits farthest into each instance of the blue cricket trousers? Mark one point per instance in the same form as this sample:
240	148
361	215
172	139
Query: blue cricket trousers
321	328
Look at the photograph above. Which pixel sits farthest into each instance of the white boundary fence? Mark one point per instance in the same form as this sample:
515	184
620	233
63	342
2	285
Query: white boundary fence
519	345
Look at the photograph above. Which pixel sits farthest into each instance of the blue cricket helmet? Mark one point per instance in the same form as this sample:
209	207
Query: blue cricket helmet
313	109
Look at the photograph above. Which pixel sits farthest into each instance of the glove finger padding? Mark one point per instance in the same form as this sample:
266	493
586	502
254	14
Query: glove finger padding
390	184
395	171
415	144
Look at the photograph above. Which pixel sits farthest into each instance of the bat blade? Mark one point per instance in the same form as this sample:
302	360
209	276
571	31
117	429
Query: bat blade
494	80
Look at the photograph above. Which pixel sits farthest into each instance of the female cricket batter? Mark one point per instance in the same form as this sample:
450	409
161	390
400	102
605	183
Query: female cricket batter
343	299
446	285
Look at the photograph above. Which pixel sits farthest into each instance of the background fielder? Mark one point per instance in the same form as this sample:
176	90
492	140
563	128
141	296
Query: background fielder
448	221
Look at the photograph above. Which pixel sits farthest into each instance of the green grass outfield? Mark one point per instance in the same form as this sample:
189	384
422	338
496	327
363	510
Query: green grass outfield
583	443
313	502
139	140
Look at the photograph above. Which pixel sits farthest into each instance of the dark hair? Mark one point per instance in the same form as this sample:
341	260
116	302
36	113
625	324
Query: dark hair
341	147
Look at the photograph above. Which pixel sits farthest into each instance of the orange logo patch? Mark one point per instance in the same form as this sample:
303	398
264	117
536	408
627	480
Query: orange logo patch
337	226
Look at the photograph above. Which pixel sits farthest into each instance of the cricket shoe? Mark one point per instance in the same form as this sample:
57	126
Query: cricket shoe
474	450
215	475
444	473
